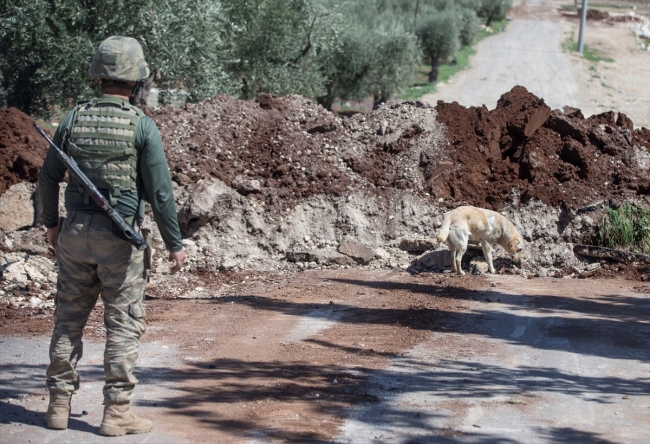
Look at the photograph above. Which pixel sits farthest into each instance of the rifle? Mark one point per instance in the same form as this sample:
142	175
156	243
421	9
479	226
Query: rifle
125	229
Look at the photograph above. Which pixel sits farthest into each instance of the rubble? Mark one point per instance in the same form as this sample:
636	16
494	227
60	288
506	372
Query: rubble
279	183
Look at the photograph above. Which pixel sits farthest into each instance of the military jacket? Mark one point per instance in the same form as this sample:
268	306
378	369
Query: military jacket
133	163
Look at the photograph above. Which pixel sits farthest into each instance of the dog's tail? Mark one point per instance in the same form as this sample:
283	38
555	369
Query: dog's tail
444	230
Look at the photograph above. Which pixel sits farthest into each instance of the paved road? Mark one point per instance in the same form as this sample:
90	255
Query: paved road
539	368
525	361
527	53
23	397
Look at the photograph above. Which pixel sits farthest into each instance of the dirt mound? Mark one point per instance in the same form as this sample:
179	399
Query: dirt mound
279	183
594	14
292	148
625	19
522	150
22	149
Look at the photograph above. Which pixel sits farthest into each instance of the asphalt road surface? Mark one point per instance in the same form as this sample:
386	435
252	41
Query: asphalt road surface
545	364
512	360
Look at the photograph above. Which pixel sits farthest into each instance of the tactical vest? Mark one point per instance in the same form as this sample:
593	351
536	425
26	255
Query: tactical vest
102	142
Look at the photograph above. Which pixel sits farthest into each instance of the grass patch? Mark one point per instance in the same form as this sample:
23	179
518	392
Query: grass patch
593	55
421	86
626	228
605	5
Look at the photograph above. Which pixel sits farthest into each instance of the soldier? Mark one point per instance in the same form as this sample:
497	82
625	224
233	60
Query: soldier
120	150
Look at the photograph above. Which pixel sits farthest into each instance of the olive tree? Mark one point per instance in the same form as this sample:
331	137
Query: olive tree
439	37
494	10
279	46
377	56
46	47
467	26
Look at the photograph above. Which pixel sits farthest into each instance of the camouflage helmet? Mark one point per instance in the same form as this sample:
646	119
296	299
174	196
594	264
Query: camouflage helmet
119	58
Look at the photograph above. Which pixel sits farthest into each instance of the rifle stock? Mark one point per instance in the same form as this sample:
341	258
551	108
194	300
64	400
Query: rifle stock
127	230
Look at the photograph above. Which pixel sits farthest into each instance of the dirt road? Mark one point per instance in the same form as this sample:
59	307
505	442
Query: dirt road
366	356
529	53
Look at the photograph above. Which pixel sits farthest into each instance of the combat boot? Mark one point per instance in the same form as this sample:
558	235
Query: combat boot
120	420
58	412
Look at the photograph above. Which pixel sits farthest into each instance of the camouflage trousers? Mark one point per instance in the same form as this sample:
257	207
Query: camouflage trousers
93	261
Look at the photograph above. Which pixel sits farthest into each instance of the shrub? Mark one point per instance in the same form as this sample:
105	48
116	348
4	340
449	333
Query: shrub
628	228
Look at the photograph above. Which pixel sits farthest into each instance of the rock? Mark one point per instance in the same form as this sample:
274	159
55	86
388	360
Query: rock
320	257
478	266
610	253
418	245
35	250
357	251
17	207
245	186
439	258
380	253
23	269
209	198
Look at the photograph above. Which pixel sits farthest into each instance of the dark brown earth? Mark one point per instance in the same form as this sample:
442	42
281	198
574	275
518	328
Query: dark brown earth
521	148
22	149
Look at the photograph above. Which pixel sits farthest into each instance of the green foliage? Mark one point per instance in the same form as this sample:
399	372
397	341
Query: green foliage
446	71
439	36
279	46
323	49
377	56
46	47
593	55
468	26
628	227
494	10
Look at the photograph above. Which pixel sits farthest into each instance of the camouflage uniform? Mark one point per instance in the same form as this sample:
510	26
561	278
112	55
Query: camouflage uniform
92	260
120	150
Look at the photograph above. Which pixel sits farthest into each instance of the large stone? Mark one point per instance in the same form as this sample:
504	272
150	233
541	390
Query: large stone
209	198
478	266
321	257
17	207
357	251
22	269
418	245
433	259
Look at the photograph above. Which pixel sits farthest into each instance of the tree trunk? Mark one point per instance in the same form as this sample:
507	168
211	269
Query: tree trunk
489	20
327	100
376	101
433	75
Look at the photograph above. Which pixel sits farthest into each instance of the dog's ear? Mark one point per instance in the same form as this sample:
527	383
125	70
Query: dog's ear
513	243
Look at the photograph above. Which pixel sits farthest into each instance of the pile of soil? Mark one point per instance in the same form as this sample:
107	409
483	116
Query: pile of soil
292	148
298	149
22	149
594	14
522	149
281	183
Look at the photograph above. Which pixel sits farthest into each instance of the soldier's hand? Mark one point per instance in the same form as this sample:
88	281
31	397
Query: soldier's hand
52	234
179	258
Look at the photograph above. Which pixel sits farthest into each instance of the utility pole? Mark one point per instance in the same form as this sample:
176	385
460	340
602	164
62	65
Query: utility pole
583	21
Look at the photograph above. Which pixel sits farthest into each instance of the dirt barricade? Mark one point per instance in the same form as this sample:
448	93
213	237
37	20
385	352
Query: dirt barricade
281	183
22	149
